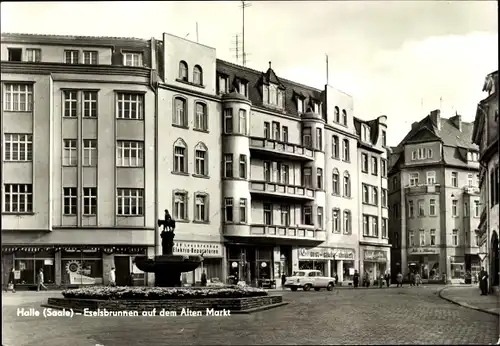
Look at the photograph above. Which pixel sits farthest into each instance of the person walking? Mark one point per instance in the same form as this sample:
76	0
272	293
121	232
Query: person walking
483	281
112	277
11	282
40	280
355	279
412	279
387	278
417	279
283	281
399	280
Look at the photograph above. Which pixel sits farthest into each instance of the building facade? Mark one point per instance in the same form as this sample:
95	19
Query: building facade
262	174
485	135
434	200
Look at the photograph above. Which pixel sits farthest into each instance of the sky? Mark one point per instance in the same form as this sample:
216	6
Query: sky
395	58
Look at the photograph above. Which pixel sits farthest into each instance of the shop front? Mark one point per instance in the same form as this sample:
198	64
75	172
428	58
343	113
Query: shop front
251	264
457	269
425	261
330	261
375	263
27	262
212	260
473	267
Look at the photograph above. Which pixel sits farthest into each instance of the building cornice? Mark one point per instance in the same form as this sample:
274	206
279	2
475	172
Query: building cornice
370	148
189	92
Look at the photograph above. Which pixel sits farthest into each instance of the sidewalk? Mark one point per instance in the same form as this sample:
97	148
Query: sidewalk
470	297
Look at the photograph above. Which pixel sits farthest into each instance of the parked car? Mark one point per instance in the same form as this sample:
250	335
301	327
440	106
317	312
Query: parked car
307	279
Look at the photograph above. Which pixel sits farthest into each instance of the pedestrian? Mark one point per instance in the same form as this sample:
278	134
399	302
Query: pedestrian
40	281
412	279
283	280
203	279
417	279
336	279
11	281
388	279
399	280
381	281
112	277
355	279
366	282
483	281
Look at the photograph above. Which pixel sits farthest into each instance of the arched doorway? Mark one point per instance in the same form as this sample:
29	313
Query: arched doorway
494	265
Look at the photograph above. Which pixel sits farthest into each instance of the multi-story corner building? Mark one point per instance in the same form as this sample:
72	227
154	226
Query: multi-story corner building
262	174
434	200
78	160
485	135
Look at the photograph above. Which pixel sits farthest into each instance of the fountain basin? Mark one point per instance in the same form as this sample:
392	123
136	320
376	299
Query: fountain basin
174	263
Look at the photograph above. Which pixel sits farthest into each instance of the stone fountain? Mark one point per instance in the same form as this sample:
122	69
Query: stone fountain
168	267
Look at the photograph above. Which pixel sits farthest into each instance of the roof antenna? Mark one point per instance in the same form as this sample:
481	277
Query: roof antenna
243	6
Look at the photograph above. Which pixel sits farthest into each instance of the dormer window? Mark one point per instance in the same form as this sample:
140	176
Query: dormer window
316	107
469	156
300	105
132	59
273	96
243	88
365	134
223	85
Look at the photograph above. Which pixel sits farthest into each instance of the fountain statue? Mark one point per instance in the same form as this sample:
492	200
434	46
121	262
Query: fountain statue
168	267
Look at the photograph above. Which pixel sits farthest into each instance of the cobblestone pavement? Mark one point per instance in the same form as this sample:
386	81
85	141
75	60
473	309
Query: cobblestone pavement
471	296
345	316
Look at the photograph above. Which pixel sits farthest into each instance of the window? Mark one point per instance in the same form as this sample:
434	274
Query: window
421	211
374	195
336	220
345	149
366	194
384	139
243	89
413	179
228	120
366	225
432	207
90	57
344	117
285	174
70	157
201	207
180	113
284	134
243	123
228	165
307	215
267	171
243	210
431	178
18	97
335	147
383	167
320	217
180	206
89	152
384	198
306	137
374	165
15	54
70	201
347	222
201	120
272	95
429	153
411	209
414	155
395	183
89	201
454	179
89	104
130	202
454	207
476	209
433	237
411	238
228	208
129	154
71	56
335	181
70	103
276	131
300	105
421	234
307	176
197	75
18	198
132	59
33	55
319	139
183	71
222	85
319	178
180	160
466	209
347	184
364	163
285	215
384	227
365	134
336	115
243	166
421	153
130	106
470	179
316	108
268	214
201	159
267	130
454	237
18	147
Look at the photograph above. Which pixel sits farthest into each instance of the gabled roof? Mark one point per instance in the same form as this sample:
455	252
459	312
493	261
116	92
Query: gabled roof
256	78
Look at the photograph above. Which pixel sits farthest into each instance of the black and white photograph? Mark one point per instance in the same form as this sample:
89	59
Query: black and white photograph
249	173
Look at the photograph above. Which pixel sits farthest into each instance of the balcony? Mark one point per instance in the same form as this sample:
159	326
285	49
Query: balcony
422	189
278	190
472	190
280	150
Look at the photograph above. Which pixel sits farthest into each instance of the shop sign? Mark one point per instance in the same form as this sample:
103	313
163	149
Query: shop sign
375	256
197	249
423	251
326	253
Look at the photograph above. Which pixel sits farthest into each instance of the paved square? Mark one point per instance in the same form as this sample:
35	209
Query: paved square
344	316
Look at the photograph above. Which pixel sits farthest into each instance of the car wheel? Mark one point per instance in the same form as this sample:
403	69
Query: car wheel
317	288
329	287
307	287
293	288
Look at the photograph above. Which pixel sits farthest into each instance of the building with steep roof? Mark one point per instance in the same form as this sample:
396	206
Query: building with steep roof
434	200
485	134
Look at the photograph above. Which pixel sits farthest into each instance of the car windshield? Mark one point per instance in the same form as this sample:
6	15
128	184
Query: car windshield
299	274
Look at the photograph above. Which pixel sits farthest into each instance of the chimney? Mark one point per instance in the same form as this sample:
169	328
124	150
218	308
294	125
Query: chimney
457	121
415	125
269	65
153	53
436	118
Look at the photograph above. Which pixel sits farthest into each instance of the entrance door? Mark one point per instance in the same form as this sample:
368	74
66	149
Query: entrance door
122	266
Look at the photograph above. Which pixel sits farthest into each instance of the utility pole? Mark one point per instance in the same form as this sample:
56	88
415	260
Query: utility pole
236	48
243	6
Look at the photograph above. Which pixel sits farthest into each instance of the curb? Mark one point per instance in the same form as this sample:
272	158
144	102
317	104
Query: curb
465	305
